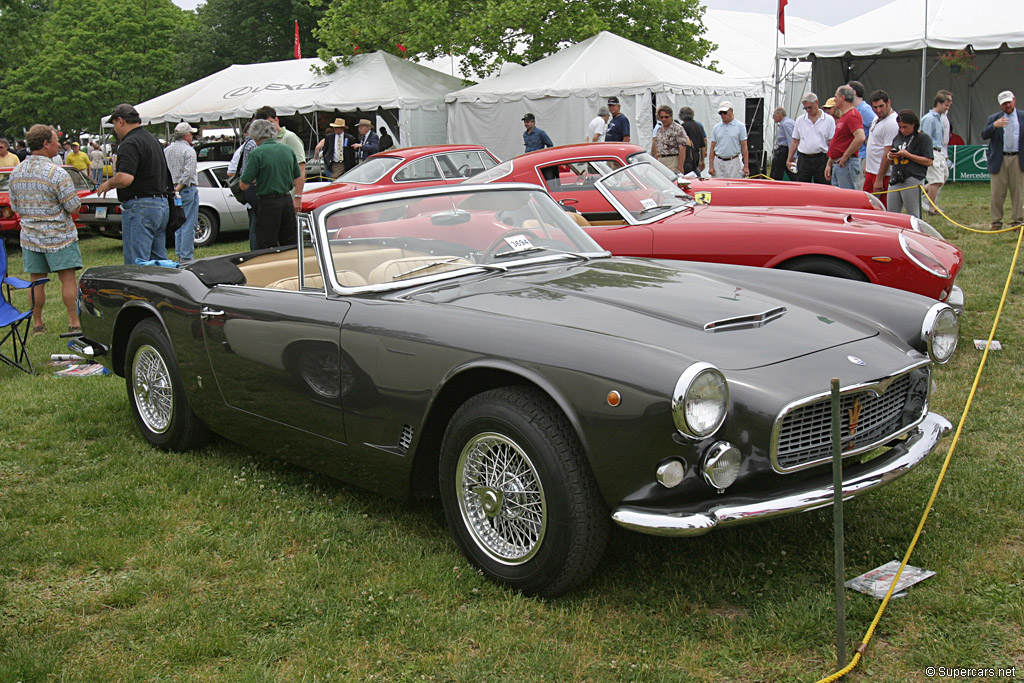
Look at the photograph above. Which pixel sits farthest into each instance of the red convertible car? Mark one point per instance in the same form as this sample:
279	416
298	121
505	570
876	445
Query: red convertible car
10	225
569	172
404	168
654	219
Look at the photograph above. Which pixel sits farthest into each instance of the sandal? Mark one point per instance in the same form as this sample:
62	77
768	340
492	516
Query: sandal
38	330
74	329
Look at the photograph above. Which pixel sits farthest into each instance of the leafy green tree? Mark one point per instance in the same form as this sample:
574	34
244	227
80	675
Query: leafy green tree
490	32
89	55
248	32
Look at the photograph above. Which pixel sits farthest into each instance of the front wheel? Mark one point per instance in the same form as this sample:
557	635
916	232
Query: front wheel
155	391
825	265
518	493
207	228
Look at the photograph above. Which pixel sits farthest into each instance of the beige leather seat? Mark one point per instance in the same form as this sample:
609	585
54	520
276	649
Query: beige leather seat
395	269
578	217
346	278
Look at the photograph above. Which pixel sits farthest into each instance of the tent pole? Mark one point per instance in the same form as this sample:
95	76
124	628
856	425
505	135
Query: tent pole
924	60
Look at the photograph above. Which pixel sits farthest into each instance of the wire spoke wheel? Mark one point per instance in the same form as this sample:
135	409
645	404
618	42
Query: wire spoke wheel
154	394
501	498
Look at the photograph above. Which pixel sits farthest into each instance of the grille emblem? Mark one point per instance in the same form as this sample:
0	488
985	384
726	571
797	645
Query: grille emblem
855	360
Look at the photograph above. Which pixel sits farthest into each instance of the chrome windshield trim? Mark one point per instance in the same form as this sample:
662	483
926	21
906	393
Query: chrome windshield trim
623	211
878	387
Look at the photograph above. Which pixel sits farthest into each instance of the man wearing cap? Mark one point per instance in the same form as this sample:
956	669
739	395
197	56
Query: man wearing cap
181	162
727	157
533	137
843	166
78	158
1005	134
618	127
597	126
368	142
338	152
142	182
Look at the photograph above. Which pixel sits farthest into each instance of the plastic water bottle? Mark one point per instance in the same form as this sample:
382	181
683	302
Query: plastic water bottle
177	198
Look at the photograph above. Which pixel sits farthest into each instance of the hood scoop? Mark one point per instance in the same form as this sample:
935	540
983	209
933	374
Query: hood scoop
745	322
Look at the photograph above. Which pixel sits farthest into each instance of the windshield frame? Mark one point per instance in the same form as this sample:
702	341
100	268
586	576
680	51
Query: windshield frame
388	169
319	219
627	215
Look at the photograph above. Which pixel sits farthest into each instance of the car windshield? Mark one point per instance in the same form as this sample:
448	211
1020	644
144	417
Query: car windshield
450	230
492	174
370	171
5	181
645	157
642	193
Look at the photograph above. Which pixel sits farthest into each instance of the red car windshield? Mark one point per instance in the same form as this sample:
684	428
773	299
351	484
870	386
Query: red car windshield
370	171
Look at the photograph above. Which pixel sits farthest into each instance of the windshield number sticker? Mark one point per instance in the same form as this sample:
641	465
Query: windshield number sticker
648	203
101	212
519	243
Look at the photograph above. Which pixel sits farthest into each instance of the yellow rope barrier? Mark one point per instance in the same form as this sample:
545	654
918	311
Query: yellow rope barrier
943	214
938	483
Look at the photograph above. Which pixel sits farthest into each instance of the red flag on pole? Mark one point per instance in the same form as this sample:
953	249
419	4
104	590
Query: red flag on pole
782	16
298	46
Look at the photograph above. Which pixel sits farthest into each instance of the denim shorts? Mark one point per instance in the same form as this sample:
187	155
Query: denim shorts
38	262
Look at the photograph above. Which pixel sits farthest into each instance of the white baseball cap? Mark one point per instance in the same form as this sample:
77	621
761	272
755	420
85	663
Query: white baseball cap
1005	96
184	127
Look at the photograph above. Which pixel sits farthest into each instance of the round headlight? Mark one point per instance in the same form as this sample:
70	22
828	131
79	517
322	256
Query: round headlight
700	400
722	465
940	332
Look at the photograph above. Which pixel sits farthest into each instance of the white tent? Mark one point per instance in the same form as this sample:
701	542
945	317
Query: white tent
372	81
565	90
894	48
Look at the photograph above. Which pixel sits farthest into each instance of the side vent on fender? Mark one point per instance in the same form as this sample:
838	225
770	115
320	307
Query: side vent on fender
405	440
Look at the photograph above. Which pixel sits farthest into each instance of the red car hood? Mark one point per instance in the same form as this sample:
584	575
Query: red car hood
314	199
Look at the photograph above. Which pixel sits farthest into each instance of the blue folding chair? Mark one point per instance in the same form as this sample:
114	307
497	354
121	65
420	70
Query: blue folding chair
14	321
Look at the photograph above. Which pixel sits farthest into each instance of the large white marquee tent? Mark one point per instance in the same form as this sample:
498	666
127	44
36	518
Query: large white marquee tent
371	83
565	90
896	49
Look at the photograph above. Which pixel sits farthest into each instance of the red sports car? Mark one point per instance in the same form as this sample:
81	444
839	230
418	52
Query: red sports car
404	168
10	225
569	173
651	217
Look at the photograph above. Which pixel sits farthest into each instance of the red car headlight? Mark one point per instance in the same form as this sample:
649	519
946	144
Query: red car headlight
6	212
918	252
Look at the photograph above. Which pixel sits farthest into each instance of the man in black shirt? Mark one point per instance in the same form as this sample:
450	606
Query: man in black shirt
697	151
142	182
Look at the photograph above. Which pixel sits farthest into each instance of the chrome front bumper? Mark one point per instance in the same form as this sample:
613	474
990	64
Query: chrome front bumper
956	300
814	494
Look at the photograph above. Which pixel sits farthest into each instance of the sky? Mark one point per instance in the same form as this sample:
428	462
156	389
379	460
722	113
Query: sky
824	11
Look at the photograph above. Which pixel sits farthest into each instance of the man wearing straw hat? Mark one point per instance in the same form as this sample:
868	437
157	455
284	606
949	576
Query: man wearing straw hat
368	143
338	153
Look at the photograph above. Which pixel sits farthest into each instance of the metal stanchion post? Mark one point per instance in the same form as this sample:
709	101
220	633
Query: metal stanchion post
837	510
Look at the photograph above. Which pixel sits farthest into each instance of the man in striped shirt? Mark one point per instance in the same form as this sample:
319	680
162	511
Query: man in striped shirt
44	196
181	162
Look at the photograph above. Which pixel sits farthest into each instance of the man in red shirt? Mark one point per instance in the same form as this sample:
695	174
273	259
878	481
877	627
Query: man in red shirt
843	167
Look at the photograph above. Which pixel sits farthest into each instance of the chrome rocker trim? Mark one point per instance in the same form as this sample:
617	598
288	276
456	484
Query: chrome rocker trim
812	495
87	348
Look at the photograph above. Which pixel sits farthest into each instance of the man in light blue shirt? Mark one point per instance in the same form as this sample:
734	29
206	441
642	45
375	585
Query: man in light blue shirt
783	139
934	124
728	146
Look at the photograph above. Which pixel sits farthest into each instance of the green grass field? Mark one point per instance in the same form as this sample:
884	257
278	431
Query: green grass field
119	562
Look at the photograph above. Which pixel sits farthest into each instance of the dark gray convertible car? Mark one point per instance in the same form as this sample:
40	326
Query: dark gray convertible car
473	343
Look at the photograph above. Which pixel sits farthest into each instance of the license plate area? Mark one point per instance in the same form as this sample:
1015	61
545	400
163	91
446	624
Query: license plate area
101	212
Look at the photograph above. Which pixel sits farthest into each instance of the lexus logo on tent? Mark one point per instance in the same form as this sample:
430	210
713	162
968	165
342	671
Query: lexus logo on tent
252	90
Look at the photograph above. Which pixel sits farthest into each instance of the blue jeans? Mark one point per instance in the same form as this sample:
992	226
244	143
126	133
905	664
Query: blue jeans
144	229
185	236
97	176
846	176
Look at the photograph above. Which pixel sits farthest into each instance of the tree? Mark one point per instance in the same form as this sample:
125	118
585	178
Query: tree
248	32
93	54
489	32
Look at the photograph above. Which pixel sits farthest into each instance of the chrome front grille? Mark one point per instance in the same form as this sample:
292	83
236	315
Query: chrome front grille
803	437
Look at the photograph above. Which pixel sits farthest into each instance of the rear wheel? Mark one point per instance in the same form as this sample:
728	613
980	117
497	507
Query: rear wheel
207	227
825	265
156	393
518	493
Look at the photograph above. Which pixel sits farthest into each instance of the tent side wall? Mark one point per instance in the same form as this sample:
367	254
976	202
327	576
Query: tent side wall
899	74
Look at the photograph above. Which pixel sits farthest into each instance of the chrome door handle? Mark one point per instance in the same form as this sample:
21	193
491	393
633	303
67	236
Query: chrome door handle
207	312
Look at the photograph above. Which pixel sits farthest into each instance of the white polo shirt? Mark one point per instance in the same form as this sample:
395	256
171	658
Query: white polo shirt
814	137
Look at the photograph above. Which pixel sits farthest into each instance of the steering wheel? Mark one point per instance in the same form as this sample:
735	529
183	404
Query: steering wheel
464	171
488	253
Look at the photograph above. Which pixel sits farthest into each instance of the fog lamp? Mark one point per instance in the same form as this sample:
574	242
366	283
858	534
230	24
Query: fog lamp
670	474
721	465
